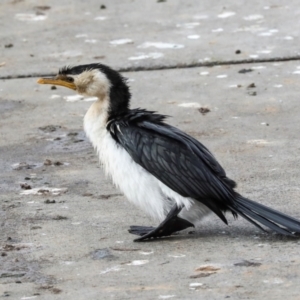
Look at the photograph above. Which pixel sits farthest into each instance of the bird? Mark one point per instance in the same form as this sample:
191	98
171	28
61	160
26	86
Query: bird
166	172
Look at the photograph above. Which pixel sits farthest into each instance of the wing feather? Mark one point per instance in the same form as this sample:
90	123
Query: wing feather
176	159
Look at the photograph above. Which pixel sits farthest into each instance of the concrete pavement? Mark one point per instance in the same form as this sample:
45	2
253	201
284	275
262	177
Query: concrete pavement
64	226
37	36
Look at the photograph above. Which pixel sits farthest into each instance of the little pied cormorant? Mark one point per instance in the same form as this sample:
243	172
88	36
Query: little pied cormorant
159	168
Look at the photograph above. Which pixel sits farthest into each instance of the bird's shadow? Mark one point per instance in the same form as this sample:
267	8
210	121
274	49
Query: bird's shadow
242	234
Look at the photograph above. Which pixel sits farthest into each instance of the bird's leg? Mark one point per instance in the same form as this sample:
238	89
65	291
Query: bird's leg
171	224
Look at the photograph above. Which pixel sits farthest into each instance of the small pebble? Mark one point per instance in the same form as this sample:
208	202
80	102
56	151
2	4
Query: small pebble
25	186
251	85
243	71
49	201
204	110
47	162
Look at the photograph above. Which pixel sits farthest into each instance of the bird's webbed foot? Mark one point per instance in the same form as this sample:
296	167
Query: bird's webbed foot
171	224
140	230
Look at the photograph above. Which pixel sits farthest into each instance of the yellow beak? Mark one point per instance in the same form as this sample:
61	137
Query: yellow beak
55	81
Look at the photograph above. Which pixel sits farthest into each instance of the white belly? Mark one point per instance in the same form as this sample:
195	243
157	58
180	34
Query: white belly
138	185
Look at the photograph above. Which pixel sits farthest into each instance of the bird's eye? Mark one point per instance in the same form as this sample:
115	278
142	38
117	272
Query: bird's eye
70	79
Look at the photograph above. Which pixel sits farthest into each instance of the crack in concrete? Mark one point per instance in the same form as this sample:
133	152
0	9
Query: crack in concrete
175	66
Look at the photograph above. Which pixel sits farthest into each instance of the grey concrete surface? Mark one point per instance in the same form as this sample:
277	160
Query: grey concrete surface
66	237
42	35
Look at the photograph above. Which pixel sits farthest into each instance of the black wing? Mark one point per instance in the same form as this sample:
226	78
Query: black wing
175	158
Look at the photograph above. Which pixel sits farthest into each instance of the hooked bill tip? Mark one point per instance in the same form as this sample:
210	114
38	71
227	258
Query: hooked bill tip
40	81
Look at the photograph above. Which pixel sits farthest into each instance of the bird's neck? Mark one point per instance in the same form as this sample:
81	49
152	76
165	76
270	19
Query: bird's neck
96	116
119	100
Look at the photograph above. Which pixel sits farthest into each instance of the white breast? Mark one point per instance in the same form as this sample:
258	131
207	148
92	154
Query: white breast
138	185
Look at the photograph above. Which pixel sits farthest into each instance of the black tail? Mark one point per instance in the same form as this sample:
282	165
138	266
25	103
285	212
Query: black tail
275	220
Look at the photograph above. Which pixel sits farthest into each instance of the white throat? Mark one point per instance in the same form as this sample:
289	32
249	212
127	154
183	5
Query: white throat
95	120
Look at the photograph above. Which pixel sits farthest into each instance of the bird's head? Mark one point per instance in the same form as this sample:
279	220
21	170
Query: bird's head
95	80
